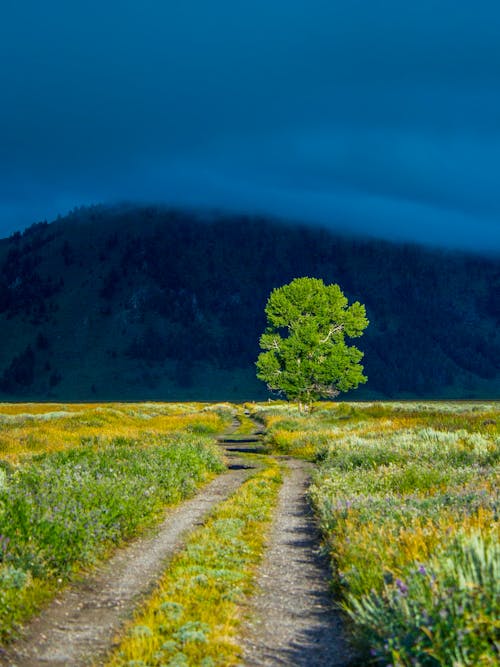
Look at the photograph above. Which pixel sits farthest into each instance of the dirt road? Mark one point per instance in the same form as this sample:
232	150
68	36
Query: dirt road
293	621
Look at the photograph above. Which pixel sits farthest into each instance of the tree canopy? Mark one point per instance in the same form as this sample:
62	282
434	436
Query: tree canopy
305	353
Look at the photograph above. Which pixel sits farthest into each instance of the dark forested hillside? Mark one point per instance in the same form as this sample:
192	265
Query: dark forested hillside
150	303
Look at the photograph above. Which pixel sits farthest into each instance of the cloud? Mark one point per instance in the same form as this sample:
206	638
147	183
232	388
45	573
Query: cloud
375	115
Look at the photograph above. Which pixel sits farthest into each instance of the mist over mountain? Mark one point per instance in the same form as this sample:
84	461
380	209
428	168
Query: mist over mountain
132	303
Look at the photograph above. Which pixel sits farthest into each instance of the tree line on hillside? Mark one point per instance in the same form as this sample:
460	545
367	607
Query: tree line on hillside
197	288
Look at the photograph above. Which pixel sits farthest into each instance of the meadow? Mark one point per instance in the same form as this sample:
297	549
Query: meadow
407	499
75	481
406	496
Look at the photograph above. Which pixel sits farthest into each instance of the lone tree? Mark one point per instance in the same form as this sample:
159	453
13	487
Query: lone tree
306	356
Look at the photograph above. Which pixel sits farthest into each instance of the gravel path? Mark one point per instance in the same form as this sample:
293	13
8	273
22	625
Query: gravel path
293	620
79	625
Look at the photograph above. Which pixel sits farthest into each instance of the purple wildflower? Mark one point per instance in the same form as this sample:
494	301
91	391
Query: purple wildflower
402	586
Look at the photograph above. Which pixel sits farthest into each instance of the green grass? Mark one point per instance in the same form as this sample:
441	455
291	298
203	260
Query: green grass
445	611
29	429
308	435
63	511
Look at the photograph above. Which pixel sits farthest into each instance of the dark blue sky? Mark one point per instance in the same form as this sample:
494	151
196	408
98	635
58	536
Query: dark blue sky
379	116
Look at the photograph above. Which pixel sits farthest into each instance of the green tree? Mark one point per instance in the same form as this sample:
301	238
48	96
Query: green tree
306	356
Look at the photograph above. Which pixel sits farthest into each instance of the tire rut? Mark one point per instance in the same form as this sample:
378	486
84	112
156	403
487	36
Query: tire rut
293	621
79	626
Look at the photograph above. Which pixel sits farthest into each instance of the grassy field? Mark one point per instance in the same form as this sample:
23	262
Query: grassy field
407	498
77	480
27	429
406	495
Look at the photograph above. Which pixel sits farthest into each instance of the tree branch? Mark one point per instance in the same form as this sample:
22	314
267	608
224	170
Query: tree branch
333	330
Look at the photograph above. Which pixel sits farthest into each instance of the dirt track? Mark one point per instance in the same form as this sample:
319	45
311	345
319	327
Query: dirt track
80	624
293	619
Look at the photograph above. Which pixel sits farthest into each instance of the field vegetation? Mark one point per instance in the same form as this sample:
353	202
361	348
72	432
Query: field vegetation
77	480
407	498
406	495
31	428
194	615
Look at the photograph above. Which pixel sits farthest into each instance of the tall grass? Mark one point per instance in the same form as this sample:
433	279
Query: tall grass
65	508
305	435
445	611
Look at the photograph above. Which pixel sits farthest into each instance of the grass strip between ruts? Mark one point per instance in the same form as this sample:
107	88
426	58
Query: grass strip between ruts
193	616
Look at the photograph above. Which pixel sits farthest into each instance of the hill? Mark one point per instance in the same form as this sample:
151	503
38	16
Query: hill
138	303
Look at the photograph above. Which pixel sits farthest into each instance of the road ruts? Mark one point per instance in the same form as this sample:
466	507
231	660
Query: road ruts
79	626
293	621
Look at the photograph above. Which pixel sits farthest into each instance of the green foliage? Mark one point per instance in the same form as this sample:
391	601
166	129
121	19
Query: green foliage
305	354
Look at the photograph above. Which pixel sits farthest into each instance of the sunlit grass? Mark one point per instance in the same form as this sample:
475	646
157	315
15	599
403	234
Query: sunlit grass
193	617
408	500
75	481
407	495
305	435
443	611
246	425
29	429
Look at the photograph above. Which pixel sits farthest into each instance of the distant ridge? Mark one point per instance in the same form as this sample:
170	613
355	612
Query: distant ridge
143	302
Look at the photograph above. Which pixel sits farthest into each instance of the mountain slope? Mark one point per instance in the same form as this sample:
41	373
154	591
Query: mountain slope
144	302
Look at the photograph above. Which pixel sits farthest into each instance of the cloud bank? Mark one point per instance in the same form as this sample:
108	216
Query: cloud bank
376	117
